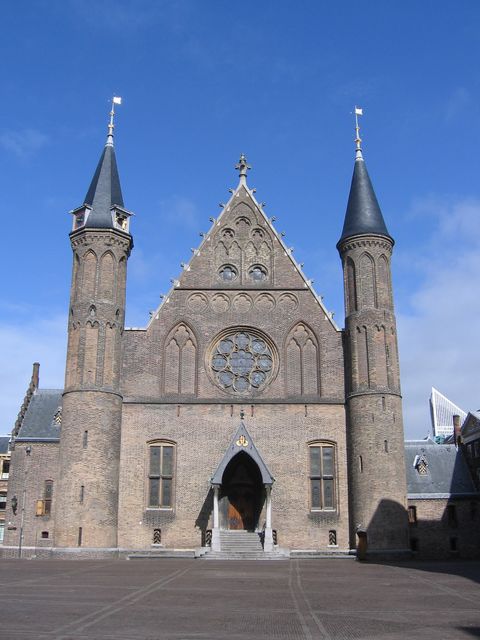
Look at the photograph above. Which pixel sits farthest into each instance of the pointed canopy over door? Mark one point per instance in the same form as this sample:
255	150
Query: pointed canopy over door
242	442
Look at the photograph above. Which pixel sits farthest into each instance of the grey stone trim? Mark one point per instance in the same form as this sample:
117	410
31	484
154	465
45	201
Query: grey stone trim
442	496
243	402
92	389
33	439
248	448
367	392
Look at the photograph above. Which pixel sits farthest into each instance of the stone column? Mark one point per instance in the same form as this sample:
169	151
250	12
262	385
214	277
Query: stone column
216	524
268	538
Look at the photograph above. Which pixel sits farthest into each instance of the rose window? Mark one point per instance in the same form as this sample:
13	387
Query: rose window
242	362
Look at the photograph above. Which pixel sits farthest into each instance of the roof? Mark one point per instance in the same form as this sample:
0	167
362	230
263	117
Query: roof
242	443
447	471
104	191
471	426
242	190
363	216
39	421
4	440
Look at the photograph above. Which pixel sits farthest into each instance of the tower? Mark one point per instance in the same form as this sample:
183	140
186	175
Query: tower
92	401
375	444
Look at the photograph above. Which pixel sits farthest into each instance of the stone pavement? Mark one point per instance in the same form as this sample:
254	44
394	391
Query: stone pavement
181	599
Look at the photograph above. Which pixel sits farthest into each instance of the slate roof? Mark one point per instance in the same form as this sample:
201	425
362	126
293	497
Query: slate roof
4	440
447	475
471	426
38	422
363	216
104	191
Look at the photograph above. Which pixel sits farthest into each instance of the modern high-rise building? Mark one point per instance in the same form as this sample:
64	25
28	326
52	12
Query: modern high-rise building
442	411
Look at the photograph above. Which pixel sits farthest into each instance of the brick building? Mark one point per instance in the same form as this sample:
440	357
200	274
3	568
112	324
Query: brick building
241	407
4	475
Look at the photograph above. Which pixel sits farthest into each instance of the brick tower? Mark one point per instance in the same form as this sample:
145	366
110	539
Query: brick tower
375	442
92	401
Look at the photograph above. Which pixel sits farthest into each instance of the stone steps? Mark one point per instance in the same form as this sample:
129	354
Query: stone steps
240	541
161	553
244	555
242	545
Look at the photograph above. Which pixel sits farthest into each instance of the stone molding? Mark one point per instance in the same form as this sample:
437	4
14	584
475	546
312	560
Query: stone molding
360	242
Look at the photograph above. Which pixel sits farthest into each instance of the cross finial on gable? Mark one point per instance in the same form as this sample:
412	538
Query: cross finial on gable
242	168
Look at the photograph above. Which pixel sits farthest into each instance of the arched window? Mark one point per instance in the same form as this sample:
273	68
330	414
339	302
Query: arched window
180	367
322	476
302	362
161	475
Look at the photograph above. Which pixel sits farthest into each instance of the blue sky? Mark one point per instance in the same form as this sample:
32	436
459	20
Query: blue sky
277	80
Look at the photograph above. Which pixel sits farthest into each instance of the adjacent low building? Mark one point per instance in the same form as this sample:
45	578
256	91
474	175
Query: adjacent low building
4	476
443	502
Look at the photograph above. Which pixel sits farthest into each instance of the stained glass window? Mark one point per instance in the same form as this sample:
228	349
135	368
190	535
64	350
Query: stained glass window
242	362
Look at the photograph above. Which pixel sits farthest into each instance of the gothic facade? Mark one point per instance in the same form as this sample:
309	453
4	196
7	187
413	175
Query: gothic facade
241	409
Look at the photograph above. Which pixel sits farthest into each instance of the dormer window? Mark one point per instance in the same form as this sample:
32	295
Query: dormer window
79	220
80	216
421	465
122	221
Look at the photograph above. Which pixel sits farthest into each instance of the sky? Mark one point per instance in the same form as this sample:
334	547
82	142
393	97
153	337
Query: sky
201	83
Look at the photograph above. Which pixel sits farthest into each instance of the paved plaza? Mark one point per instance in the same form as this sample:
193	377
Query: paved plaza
183	599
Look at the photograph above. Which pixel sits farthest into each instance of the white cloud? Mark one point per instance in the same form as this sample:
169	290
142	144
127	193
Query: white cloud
130	15
41	341
458	101
23	143
180	211
438	336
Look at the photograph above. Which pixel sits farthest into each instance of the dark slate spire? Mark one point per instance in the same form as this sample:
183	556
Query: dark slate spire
105	191
363	216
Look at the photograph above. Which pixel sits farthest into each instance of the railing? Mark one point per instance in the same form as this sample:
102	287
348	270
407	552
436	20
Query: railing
207	538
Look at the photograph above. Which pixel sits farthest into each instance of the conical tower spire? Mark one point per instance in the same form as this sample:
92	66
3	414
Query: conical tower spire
105	192
363	216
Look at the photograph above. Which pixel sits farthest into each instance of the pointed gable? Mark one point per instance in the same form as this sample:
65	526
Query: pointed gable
242	442
242	250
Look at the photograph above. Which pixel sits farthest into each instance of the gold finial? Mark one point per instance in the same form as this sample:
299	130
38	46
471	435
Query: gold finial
358	140
111	126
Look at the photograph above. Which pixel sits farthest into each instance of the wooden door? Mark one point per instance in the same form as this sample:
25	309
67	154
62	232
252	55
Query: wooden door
235	520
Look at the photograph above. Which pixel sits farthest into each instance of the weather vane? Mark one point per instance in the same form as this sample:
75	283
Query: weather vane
358	140
111	126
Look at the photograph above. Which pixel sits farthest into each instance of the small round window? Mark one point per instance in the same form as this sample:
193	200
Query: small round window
228	273
258	273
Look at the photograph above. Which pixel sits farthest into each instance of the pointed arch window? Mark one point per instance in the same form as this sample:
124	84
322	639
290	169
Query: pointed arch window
351	288
302	363
322	476
180	369
367	281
